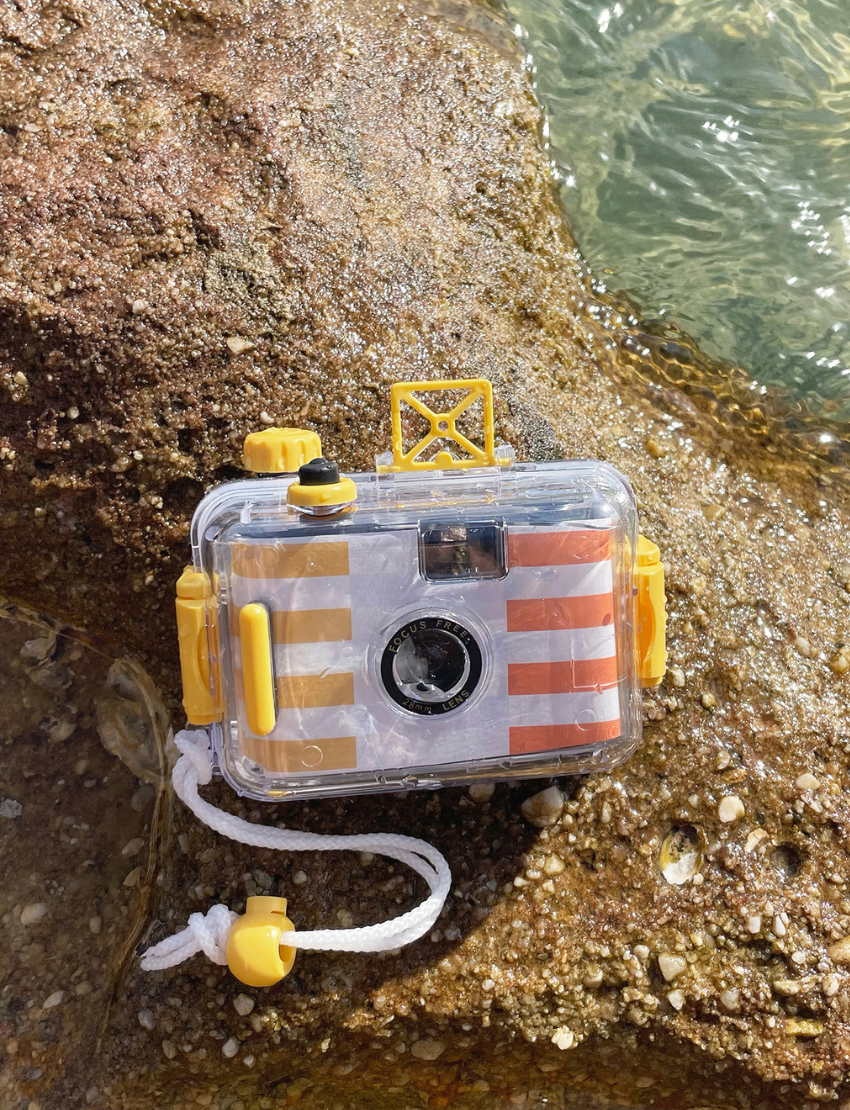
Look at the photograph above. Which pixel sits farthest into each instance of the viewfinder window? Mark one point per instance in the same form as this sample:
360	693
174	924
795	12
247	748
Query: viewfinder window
454	552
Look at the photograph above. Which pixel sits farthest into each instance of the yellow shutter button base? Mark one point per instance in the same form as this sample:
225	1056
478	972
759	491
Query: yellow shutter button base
255	951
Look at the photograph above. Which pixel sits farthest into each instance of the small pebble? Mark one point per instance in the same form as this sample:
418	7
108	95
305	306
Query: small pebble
755	837
671	966
803	1027
713	512
545	808
133	847
35	911
840	951
146	1019
592	977
554	865
299	878
10	808
807	782
55	999
169	1049
731	999
654	448
95	924
133	877
779	926
799	958
754	924
786	987
238	344
676	999
230	1048
731	808
138	307
427	1049
481	792
840	662
243	1004
829	985
563	1038
677	676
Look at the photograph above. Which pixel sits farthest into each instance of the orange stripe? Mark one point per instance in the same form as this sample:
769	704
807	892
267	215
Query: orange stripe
311	626
562	678
544	738
555	549
290	560
309	691
550	614
338	753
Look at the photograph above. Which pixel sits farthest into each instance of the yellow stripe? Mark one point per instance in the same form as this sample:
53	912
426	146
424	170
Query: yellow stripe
311	626
290	560
338	753
309	691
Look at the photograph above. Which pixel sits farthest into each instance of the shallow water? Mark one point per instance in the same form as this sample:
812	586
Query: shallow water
704	155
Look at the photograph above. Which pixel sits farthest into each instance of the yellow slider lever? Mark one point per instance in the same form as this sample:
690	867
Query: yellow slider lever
257	668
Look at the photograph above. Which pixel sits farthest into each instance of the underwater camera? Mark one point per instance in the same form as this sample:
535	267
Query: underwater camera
453	615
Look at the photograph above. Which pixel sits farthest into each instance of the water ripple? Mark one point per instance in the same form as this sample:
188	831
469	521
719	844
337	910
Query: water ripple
704	155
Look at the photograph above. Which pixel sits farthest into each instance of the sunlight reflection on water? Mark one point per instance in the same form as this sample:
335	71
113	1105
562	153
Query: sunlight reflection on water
704	152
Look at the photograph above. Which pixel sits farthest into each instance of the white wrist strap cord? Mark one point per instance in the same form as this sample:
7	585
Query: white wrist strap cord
208	932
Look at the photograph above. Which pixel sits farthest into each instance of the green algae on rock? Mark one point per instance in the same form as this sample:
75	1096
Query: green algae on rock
215	216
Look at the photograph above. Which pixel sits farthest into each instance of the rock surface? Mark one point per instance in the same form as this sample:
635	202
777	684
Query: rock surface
213	216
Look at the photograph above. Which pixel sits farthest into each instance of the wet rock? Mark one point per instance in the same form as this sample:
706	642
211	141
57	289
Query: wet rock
362	194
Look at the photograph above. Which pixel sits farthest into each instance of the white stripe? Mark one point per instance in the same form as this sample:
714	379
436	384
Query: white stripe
339	655
575	580
560	646
322	723
286	594
586	707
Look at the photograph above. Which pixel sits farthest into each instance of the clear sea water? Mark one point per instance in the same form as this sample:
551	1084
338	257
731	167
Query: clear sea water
703	149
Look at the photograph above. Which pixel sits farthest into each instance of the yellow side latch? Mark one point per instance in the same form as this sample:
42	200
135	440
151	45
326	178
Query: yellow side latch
255	640
443	426
651	613
194	602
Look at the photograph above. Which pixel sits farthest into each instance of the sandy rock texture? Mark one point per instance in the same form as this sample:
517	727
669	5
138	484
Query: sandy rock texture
214	216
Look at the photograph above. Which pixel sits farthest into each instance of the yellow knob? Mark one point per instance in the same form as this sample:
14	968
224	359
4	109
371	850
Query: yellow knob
254	951
280	450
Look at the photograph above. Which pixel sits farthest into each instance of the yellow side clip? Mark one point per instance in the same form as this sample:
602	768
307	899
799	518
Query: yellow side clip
193	604
651	613
443	425
255	952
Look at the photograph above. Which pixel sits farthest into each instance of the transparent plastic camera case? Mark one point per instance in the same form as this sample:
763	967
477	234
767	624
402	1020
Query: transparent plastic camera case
442	626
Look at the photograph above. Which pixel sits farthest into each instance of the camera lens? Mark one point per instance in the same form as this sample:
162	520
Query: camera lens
431	665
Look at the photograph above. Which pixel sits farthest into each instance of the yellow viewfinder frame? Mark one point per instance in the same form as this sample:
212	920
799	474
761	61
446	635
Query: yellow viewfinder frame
443	426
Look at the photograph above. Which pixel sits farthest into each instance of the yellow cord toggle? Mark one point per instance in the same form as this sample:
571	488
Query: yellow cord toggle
255	951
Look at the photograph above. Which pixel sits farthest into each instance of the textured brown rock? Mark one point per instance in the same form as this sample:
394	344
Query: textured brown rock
209	213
